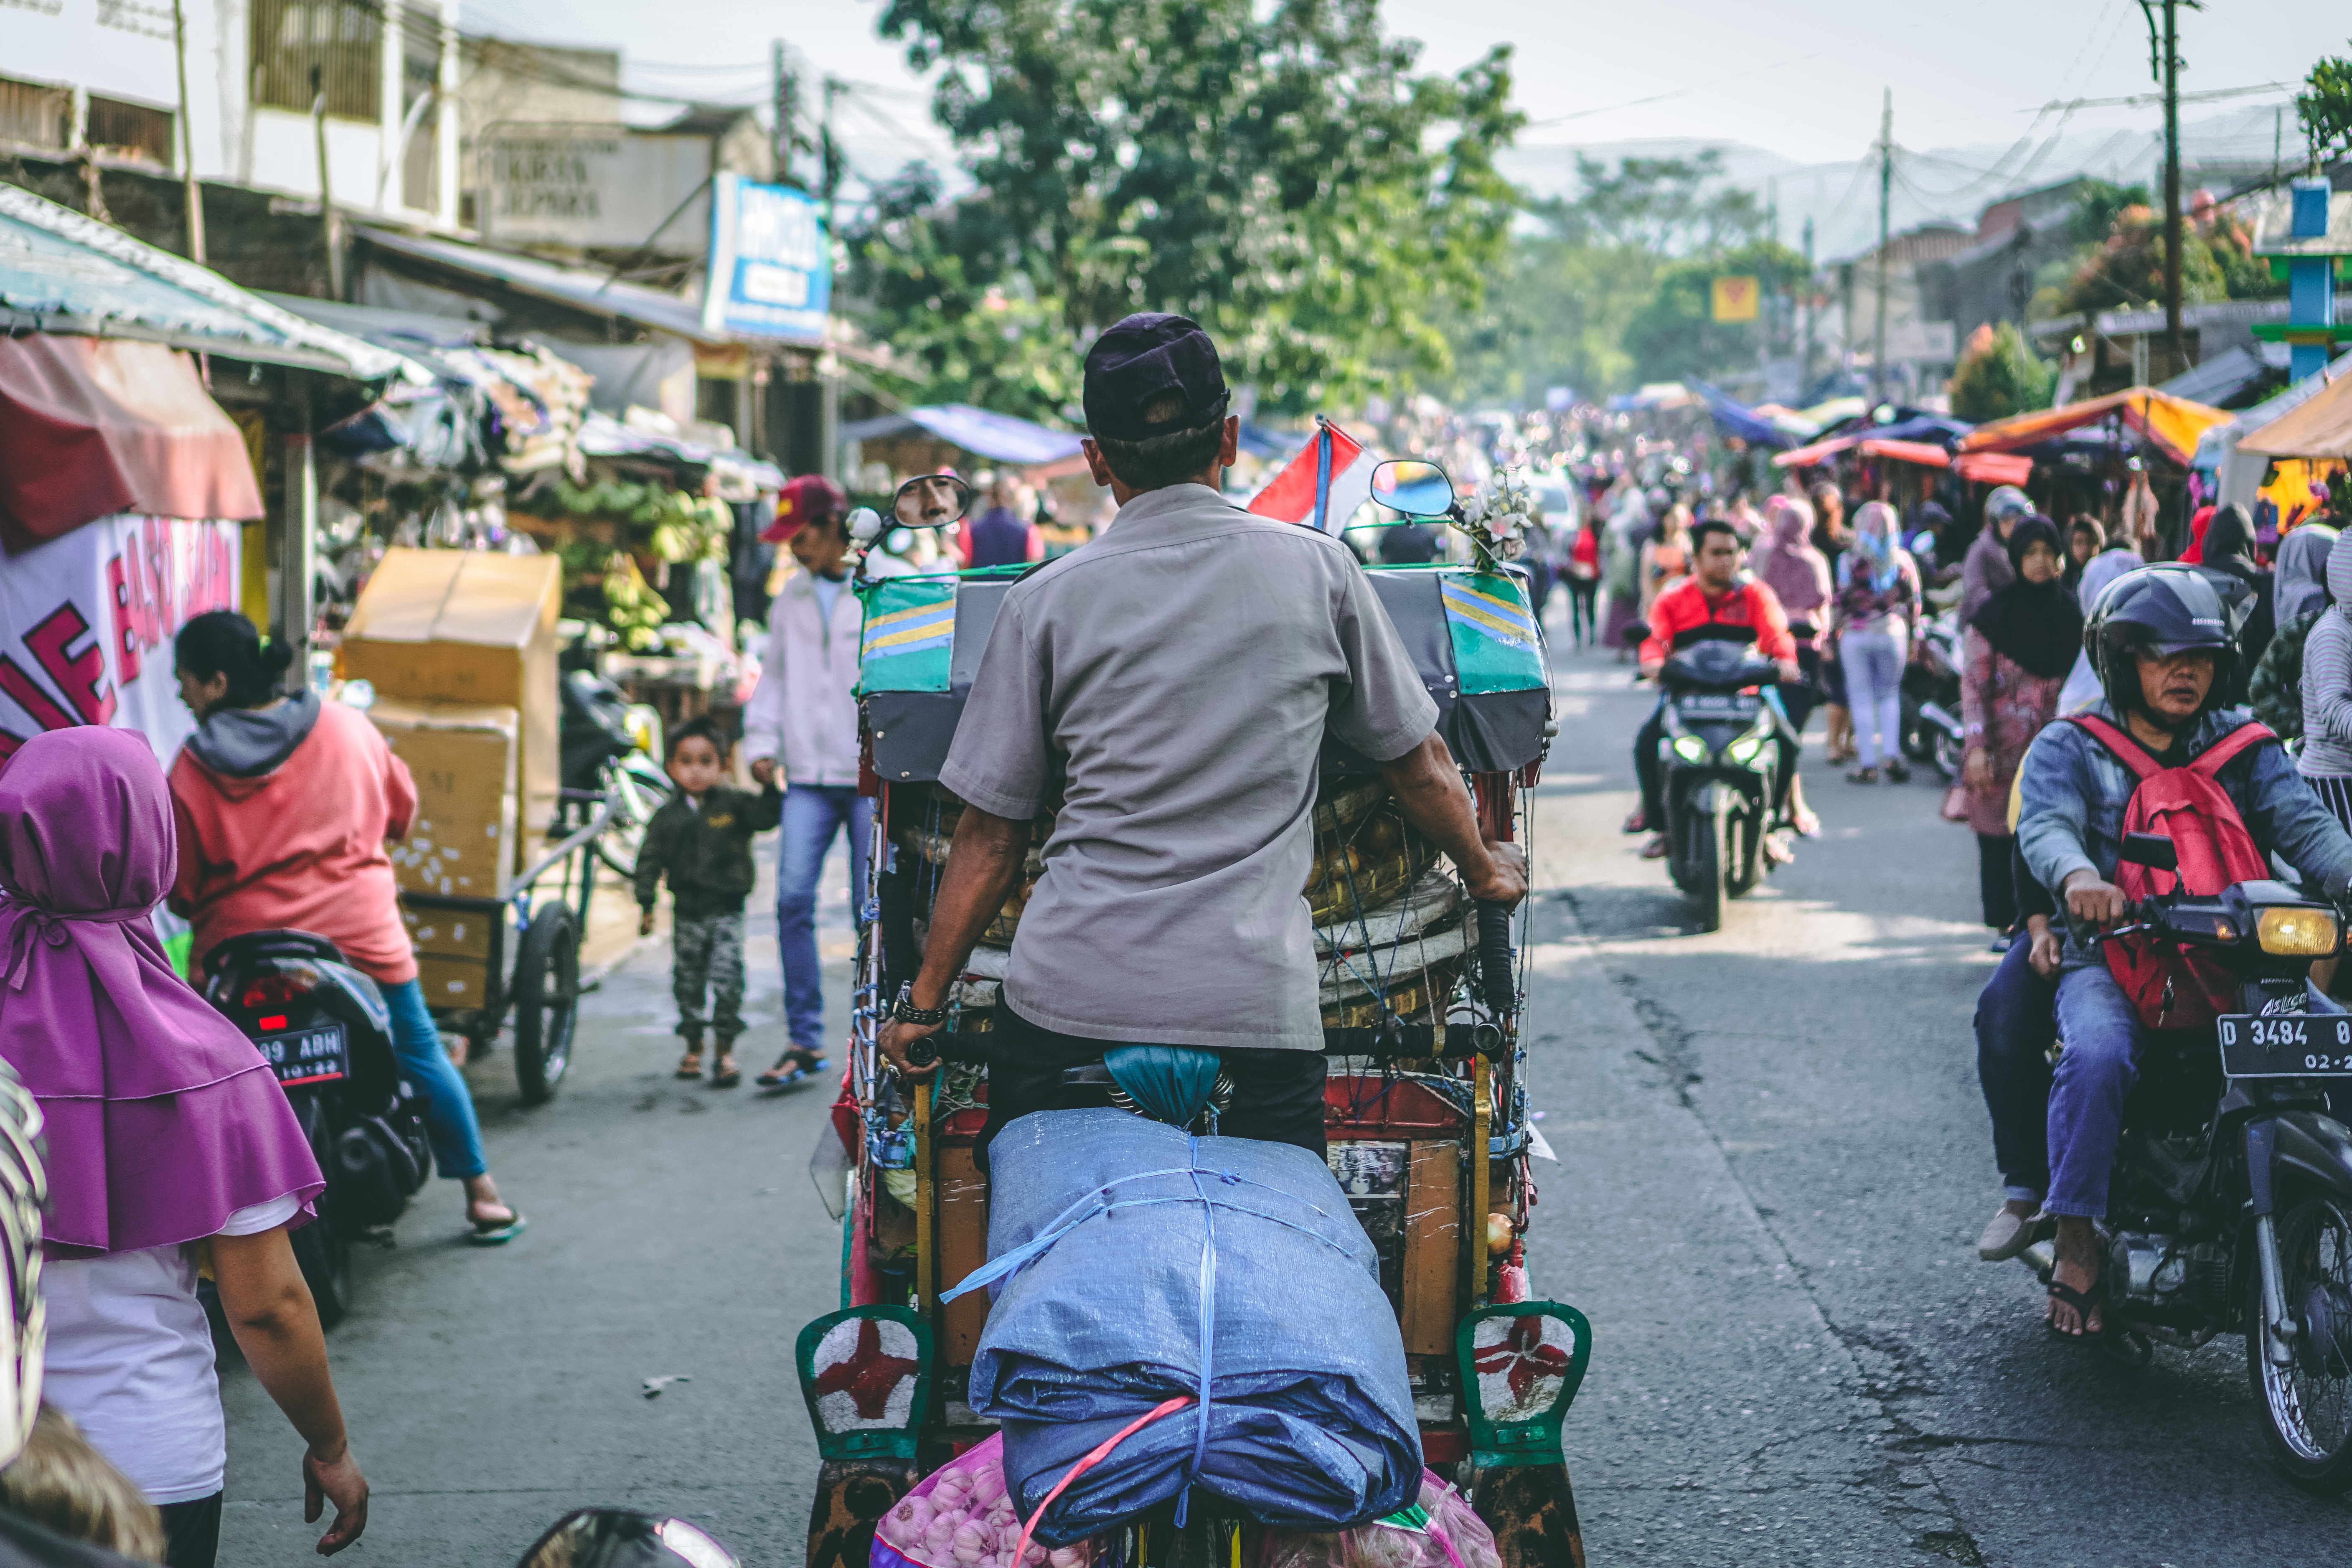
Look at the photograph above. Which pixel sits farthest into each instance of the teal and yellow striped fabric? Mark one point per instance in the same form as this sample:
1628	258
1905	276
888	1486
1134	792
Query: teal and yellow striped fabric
1496	647
910	636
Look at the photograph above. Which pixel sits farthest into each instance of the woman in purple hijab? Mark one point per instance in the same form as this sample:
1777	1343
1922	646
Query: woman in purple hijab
167	1135
1790	564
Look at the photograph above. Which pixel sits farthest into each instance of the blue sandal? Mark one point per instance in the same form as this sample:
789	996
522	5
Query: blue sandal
795	1066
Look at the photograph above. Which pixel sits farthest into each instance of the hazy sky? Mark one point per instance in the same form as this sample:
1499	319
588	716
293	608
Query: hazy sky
1802	80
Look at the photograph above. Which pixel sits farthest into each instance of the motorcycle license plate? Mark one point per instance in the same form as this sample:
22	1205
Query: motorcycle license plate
1714	705
305	1055
2288	1044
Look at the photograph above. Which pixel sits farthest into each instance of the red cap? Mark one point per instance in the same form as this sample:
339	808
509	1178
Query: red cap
811	495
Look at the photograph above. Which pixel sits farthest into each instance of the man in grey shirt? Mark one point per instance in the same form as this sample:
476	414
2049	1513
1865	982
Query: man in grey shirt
1176	678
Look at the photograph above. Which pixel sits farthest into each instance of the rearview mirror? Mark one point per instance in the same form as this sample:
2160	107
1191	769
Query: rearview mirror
931	500
1413	486
2153	850
622	1538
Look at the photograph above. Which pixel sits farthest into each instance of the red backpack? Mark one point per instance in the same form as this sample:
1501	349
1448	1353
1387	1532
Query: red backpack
2176	987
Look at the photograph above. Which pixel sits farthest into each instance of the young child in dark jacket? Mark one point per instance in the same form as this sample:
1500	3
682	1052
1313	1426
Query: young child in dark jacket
701	839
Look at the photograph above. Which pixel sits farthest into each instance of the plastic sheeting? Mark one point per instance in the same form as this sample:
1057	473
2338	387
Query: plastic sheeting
1309	1417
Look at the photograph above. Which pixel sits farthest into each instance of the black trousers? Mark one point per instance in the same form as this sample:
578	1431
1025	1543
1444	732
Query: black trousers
1277	1095
191	1533
1651	773
1995	881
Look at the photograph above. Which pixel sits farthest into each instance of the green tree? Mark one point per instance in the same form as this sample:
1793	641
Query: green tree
1999	375
1674	335
2324	108
1286	178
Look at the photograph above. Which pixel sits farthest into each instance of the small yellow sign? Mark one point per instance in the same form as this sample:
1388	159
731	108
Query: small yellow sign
1736	298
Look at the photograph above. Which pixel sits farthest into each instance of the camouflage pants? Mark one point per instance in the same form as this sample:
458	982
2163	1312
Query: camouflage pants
707	955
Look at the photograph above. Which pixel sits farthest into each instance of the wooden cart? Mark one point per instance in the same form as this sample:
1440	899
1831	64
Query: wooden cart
1427	1103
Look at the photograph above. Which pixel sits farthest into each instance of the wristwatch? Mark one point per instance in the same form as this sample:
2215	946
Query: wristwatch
904	1010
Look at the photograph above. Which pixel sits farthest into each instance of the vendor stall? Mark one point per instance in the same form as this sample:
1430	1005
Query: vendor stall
2082	451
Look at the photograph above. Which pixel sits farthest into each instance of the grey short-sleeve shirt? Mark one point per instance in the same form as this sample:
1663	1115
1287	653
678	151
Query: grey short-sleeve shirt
1182	672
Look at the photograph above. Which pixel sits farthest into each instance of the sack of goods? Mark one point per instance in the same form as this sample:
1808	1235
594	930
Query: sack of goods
1133	1266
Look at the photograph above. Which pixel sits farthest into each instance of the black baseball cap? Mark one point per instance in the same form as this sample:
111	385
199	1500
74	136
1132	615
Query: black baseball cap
1147	355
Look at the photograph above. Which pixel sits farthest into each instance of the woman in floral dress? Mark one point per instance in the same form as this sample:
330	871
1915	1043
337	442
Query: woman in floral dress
2015	656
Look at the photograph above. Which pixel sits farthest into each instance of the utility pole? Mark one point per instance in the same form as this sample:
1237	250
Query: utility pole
783	108
2164	64
1809	306
326	186
191	194
1886	195
829	152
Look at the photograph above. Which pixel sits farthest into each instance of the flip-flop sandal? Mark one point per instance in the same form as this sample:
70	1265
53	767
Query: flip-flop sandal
726	1077
796	1066
497	1232
690	1074
2084	1302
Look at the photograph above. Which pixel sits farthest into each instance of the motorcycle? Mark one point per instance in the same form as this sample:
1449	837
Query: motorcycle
2230	1202
1721	771
611	749
323	1028
623	1538
1932	733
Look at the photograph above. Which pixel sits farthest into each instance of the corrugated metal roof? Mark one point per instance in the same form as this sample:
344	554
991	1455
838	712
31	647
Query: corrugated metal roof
596	291
62	272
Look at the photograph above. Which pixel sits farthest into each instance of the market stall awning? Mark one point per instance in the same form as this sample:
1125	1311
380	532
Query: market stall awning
2320	427
61	272
999	437
1820	452
2170	425
1919	452
90	428
1993	467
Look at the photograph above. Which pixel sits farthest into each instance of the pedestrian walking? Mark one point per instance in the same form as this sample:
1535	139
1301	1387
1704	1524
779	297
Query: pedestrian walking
2230	549
1877	608
1581	572
1832	537
2085	540
1620	571
2325	763
283	805
1007	533
2014	657
2298	599
1666	560
165	1129
700	840
800	730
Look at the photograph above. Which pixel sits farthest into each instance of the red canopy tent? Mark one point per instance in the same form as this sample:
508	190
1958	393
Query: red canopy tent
91	427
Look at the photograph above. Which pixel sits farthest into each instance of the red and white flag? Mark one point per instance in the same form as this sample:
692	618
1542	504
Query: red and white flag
1301	492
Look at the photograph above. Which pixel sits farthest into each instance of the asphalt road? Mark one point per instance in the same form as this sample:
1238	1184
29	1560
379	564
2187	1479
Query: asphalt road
1774	1165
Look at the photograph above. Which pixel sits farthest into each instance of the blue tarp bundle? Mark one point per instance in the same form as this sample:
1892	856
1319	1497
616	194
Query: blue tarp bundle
1106	1233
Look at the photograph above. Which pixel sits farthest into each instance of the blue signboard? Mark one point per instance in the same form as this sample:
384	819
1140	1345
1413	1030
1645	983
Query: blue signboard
770	270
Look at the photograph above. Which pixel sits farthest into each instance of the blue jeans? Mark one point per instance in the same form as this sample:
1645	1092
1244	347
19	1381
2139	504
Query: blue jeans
2015	1026
449	1121
2105	1043
1874	692
813	813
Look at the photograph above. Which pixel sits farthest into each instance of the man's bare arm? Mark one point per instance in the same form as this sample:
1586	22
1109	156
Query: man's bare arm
984	868
1429	790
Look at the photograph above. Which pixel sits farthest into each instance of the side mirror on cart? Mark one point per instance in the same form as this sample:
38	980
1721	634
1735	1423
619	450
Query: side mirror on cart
623	1538
931	500
1413	487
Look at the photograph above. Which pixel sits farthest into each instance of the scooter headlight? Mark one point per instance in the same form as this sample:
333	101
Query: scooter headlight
2291	932
1744	749
1690	748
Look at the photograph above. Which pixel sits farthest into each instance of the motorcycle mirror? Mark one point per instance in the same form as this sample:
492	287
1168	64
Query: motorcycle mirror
931	500
622	1538
2153	850
1413	487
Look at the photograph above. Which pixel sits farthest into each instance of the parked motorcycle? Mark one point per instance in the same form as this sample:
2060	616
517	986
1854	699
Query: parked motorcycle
611	749
623	1538
1721	771
1932	732
324	1029
2230	1202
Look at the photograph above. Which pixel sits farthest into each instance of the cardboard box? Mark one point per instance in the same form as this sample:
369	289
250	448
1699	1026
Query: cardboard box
452	981
446	932
464	760
470	627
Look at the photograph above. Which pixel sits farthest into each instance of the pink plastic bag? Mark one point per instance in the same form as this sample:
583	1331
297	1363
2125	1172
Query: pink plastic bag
960	1516
1454	1537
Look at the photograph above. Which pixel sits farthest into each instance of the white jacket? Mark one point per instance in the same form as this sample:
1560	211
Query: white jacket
803	713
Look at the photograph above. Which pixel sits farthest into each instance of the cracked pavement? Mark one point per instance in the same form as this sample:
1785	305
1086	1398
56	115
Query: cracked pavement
1774	1163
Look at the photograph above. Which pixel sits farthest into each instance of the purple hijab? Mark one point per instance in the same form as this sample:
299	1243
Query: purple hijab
1787	562
163	1119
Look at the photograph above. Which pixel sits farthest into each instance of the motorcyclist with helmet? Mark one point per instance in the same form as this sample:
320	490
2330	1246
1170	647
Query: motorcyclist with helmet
1985	570
2163	647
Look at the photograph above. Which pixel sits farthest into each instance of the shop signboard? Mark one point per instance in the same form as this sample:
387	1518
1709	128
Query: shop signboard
87	621
590	186
771	271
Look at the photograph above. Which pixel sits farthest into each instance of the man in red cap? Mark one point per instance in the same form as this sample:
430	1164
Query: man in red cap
802	724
